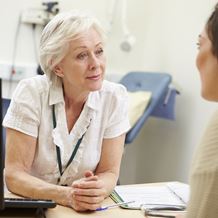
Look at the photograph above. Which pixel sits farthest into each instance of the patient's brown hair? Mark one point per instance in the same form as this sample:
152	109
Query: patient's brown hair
212	30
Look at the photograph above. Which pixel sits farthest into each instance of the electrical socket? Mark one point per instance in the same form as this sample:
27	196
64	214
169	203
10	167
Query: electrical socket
21	71
35	16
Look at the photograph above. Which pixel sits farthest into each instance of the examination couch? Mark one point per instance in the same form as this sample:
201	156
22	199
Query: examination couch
162	100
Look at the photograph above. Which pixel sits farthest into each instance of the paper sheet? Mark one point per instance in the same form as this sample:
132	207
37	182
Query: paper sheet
159	194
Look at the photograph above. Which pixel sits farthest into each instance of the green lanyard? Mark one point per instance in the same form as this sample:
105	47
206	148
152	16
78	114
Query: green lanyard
58	148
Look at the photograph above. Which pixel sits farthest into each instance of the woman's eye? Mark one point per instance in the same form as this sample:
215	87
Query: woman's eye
99	52
198	41
82	56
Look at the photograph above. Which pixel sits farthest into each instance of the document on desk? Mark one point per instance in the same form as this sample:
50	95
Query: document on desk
170	193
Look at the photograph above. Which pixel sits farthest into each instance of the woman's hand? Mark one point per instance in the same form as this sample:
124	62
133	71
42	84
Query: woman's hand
88	192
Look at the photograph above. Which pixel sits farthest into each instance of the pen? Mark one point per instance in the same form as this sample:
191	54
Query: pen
159	215
153	207
113	205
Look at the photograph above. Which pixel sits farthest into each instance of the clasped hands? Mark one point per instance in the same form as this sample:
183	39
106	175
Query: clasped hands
88	193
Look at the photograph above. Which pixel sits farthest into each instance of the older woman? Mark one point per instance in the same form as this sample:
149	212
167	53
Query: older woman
66	129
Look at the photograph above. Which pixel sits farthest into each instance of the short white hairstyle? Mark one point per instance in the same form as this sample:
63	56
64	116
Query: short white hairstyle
57	35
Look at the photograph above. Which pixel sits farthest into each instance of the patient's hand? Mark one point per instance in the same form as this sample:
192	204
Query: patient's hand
89	192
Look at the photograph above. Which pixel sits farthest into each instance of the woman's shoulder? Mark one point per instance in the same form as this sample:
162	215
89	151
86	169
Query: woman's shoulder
206	153
32	86
113	88
39	83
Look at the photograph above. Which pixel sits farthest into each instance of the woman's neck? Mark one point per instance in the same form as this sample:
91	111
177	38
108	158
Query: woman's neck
74	99
73	107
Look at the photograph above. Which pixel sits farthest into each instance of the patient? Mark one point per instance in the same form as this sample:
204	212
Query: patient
203	201
66	129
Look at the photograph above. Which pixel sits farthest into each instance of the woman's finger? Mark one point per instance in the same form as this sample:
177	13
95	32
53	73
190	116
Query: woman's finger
90	192
92	184
88	173
82	206
81	183
88	199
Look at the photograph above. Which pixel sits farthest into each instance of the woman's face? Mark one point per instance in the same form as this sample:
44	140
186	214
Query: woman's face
83	68
207	65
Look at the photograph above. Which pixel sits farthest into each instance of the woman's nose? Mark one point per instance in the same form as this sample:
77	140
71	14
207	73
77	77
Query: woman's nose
94	62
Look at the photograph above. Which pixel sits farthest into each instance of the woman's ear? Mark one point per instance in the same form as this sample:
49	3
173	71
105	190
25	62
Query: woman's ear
58	71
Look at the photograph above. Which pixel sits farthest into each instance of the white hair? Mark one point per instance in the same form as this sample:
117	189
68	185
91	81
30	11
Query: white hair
58	34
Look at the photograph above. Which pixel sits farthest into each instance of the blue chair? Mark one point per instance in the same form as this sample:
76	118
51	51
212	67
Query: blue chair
162	99
5	105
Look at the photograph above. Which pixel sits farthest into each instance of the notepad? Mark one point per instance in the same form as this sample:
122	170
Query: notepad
171	193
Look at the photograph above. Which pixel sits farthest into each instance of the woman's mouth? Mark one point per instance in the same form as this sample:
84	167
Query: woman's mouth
94	77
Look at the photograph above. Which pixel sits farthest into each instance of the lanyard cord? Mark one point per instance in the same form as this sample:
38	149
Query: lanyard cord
58	148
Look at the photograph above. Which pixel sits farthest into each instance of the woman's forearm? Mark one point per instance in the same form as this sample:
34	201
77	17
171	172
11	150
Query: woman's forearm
110	180
26	185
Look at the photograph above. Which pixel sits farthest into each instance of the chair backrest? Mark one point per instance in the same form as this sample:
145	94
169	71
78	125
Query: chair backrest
5	105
